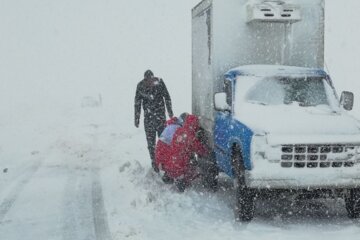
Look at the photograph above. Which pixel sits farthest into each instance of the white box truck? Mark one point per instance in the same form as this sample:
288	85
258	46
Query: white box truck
271	113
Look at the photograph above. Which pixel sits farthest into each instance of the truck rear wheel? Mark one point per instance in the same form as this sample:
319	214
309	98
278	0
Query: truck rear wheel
245	198
352	203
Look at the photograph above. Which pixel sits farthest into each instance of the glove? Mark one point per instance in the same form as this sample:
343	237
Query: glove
194	160
200	134
137	123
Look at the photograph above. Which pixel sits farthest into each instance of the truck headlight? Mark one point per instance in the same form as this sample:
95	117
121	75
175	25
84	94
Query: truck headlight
259	145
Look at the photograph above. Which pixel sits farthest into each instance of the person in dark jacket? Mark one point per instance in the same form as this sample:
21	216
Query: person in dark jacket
153	96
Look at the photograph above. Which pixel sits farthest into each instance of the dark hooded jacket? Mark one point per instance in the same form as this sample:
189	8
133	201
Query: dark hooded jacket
153	95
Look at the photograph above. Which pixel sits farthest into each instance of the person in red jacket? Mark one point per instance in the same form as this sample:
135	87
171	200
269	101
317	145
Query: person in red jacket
175	148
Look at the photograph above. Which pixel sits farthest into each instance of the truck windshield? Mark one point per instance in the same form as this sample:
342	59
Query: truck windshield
305	92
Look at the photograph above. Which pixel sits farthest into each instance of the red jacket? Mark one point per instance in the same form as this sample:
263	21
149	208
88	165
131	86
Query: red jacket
174	158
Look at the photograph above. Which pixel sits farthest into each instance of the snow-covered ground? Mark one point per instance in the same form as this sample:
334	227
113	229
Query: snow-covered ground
73	166
82	178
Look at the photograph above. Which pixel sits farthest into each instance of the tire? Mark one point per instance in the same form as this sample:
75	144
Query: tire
245	197
352	203
210	173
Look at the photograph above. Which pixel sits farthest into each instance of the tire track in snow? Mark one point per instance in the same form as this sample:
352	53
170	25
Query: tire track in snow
97	209
8	202
77	205
101	226
70	226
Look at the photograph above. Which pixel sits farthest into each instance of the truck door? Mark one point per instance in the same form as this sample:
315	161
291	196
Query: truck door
223	132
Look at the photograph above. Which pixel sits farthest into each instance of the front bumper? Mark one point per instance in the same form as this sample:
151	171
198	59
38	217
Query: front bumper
298	183
304	172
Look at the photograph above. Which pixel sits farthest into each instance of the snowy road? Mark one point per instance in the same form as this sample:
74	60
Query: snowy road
88	180
51	188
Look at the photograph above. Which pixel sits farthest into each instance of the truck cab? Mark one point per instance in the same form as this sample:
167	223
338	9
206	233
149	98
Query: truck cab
296	109
284	128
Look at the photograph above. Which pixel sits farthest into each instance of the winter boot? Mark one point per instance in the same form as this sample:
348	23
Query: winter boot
166	179
156	169
181	185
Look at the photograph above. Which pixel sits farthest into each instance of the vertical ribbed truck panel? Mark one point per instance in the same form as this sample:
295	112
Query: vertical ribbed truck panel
203	82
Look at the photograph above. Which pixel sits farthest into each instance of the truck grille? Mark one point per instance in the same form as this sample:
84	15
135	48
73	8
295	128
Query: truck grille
318	156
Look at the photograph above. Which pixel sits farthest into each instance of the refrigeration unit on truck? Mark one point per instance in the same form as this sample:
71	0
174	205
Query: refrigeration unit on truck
273	117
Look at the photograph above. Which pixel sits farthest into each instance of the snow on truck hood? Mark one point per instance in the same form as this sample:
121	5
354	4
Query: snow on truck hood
295	124
291	105
299	120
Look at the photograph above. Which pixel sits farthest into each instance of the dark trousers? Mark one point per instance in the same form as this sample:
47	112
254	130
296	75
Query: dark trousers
153	128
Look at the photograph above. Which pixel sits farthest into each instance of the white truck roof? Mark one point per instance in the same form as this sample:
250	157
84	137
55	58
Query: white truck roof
275	70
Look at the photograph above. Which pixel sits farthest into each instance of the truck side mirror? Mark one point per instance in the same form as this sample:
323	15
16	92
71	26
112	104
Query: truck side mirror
347	100
220	103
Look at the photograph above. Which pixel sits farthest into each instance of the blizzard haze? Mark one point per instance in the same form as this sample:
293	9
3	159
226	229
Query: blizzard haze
72	164
55	52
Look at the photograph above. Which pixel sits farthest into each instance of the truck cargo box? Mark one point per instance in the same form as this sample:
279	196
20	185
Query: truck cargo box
242	32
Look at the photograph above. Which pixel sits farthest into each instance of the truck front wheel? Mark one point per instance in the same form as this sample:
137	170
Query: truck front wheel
352	203
245	197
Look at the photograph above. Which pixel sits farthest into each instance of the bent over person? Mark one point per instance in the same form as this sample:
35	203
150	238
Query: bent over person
176	147
153	96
